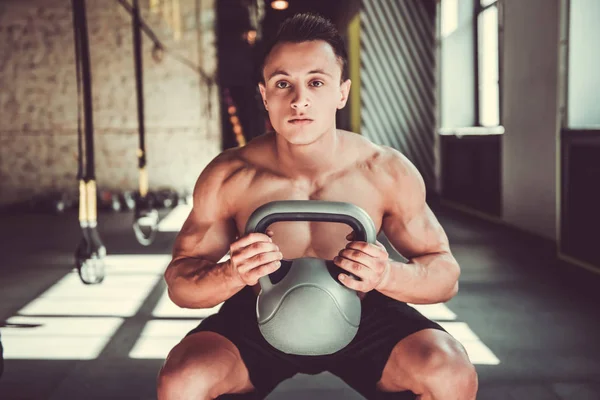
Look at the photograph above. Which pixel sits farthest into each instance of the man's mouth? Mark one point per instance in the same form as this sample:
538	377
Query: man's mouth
300	121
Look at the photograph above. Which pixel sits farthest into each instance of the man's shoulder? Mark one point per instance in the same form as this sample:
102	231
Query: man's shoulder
380	158
223	165
396	160
360	148
220	171
231	167
390	167
371	150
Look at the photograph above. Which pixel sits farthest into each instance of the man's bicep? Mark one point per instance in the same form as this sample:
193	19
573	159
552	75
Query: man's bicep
417	234
210	227
409	224
204	238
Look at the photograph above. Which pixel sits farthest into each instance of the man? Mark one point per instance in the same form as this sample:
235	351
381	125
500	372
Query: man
396	348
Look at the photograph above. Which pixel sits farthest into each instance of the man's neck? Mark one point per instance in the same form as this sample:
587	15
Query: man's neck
309	161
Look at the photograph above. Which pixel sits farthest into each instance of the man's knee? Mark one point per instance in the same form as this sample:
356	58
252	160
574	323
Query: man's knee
185	378
447	367
195	374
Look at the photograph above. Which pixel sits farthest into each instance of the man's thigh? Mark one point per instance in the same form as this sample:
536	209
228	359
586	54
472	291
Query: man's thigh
204	361
384	323
236	321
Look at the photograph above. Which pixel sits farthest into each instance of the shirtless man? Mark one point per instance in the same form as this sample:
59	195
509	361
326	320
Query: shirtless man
396	348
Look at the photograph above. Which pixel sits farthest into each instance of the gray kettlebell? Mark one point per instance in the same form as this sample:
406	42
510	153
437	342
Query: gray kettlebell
302	308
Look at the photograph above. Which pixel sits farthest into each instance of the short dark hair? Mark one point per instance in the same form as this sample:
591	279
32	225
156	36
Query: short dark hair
306	27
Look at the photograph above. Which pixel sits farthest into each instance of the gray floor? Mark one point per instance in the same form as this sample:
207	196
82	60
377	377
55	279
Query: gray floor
539	317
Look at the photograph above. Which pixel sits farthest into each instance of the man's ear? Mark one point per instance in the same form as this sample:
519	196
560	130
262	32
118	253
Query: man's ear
344	91
263	91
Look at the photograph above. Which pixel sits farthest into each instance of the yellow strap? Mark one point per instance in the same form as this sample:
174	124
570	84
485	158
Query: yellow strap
82	202
176	20
91	201
143	182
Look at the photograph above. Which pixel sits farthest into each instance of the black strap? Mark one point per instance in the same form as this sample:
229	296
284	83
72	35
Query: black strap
148	31
79	95
139	80
82	46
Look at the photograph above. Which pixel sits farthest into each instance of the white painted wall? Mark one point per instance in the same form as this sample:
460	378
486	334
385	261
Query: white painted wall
530	85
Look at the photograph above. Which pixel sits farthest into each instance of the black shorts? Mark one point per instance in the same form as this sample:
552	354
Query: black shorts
384	322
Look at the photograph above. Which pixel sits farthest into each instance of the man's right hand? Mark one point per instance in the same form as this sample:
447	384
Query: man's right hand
254	256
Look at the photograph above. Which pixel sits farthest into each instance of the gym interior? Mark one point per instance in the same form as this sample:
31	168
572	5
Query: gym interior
110	109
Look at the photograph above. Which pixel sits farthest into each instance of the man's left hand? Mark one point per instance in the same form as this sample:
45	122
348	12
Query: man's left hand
369	262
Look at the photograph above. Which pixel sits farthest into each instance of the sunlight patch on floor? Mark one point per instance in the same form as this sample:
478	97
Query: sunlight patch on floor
159	337
119	296
478	352
57	338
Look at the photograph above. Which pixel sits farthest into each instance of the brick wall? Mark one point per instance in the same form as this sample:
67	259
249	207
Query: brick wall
38	97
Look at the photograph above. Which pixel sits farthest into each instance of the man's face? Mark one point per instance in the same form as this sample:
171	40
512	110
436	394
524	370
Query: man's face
303	90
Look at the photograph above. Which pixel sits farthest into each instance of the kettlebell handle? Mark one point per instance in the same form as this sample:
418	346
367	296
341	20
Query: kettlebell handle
313	210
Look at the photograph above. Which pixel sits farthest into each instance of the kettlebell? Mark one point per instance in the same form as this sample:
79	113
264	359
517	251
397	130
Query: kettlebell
302	308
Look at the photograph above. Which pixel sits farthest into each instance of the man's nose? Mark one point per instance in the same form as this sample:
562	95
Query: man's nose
300	99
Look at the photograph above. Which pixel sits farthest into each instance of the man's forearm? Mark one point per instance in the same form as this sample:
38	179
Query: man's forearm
198	283
427	279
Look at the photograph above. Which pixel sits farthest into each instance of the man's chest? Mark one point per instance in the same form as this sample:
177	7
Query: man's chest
312	239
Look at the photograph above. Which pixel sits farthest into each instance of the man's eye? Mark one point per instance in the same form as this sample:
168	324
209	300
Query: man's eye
282	85
317	83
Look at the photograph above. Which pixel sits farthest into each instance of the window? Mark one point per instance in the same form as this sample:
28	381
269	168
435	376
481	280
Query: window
488	65
469	51
449	21
457	63
583	101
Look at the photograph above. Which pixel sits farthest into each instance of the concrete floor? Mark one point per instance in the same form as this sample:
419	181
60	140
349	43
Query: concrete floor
530	323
